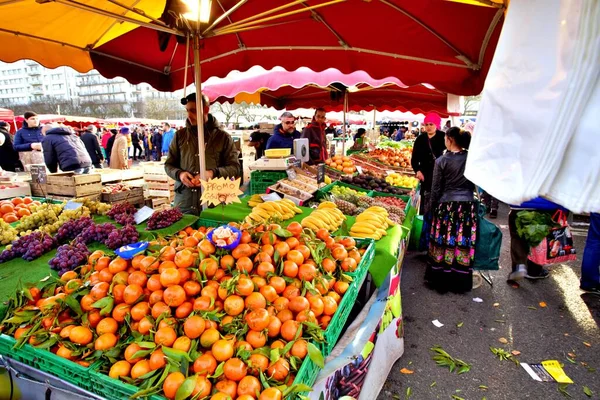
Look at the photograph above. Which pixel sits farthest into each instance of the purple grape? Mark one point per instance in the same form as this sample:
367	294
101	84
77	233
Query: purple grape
69	256
122	213
29	247
72	228
165	218
122	237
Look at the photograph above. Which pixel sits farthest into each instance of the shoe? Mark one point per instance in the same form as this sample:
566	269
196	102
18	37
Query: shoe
591	289
518	274
493	213
542	275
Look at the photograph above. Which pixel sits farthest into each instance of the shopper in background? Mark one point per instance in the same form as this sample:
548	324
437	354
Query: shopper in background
259	140
135	141
426	149
157	145
284	133
64	150
90	141
590	265
359	140
119	158
183	165
454	224
104	140
146	143
28	140
167	138
9	158
315	133
401	133
109	144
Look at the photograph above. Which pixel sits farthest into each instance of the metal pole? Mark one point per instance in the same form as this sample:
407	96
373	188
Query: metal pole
374	122
344	129
199	105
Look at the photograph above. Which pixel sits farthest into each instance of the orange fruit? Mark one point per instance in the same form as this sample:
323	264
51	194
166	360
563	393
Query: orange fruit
235	369
140	368
120	368
130	352
174	296
105	341
194	326
222	350
157	360
81	335
165	336
206	364
172	383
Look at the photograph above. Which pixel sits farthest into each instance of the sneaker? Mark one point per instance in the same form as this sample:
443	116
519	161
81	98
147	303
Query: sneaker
591	289
493	213
542	275
518	274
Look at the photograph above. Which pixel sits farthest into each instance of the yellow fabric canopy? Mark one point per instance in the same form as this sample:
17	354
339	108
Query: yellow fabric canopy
53	31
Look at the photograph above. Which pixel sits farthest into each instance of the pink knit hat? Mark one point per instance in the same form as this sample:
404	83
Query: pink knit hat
434	119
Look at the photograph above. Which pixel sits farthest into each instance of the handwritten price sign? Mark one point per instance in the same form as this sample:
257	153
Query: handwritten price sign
220	191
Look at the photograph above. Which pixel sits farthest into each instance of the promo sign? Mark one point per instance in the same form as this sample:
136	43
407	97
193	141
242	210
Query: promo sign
220	191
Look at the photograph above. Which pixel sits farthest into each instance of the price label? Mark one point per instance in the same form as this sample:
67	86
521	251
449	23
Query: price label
142	215
38	173
389	172
270	197
72	205
359	169
320	173
291	174
220	191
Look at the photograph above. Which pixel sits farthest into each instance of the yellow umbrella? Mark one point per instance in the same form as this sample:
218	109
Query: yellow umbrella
66	30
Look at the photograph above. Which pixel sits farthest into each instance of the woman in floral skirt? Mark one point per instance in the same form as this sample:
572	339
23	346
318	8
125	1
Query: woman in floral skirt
454	225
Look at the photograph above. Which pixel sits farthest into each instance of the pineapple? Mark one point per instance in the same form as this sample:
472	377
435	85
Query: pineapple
345	207
360	210
396	218
396	210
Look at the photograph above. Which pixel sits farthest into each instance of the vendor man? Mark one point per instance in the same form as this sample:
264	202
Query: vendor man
284	133
315	133
183	164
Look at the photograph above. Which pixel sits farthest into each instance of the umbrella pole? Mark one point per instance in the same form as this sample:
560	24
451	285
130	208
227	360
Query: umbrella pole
345	136
374	122
199	106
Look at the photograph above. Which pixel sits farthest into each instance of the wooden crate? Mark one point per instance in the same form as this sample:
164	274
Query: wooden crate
159	185
69	184
134	196
93	197
38	189
158	178
167	194
158	203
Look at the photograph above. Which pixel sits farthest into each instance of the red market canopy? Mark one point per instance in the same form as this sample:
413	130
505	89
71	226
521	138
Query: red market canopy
71	120
305	88
416	41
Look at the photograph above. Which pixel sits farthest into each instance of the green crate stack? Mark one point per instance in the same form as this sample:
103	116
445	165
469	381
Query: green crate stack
365	263
261	180
307	374
46	361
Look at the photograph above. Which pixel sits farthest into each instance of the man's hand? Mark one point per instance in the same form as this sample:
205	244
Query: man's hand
209	174
36	146
420	176
186	178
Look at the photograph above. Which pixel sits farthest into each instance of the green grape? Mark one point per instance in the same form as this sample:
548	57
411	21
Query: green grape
7	232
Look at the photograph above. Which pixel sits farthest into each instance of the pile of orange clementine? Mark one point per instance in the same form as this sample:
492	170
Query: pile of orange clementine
16	208
191	320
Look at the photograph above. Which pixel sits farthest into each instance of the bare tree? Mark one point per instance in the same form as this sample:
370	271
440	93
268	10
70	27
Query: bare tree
161	109
470	101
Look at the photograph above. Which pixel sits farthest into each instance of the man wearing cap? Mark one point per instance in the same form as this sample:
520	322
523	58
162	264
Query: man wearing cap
28	140
90	140
259	140
9	158
284	133
119	157
427	148
183	164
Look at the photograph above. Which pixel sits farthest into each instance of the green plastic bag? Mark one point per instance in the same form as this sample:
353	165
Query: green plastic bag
489	242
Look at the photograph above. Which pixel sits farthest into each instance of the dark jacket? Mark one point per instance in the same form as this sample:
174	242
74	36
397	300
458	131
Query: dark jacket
135	137
449	182
156	141
221	157
262	138
65	150
9	158
90	141
317	143
25	136
281	140
423	159
109	145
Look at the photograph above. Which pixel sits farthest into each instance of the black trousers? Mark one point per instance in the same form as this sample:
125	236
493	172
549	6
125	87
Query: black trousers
136	147
491	203
519	248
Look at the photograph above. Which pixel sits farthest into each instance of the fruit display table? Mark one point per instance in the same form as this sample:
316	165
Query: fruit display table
385	249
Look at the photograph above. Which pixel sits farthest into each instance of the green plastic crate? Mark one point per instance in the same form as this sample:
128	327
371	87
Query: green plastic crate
405	198
365	263
209	223
324	191
46	361
337	322
307	374
261	180
114	389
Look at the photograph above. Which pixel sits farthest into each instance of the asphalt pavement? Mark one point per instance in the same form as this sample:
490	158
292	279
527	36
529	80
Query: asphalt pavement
549	319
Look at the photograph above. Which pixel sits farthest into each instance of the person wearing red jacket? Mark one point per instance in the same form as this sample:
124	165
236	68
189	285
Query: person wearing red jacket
315	133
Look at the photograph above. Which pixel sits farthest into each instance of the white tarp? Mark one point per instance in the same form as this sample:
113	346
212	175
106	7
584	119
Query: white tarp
535	122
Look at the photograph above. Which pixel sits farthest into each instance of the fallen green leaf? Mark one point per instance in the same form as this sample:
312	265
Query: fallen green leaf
532	308
443	359
588	392
433	384
483	387
455	397
408	393
569	359
459	324
562	388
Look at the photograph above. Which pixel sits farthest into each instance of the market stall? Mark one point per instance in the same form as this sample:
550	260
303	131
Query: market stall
382	261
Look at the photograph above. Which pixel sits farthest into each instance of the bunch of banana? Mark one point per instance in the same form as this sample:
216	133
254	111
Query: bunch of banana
255	200
283	209
327	216
371	223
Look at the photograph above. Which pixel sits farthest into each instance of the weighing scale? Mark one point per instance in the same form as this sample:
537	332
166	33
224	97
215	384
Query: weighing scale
274	164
